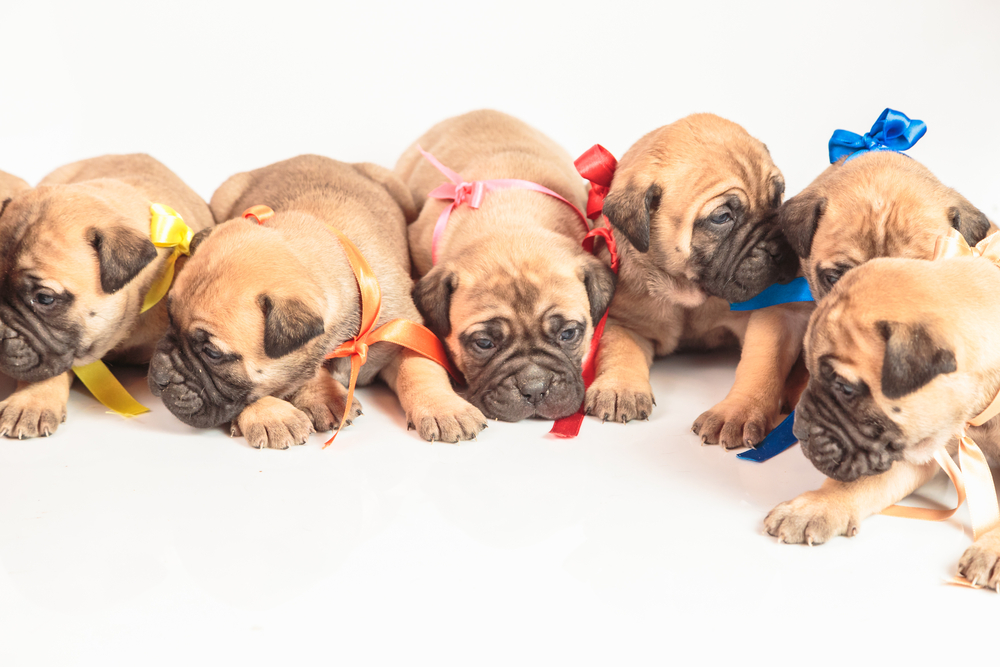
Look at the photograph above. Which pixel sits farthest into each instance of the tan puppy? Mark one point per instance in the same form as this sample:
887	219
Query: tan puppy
693	208
513	294
894	374
260	305
76	265
10	185
877	204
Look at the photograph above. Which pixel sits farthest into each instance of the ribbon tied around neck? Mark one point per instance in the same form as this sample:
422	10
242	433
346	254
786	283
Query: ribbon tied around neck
405	333
893	131
972	477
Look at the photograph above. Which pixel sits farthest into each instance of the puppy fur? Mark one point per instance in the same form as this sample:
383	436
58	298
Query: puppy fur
76	264
261	305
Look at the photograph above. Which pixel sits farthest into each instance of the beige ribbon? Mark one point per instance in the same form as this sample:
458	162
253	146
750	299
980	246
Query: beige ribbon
980	491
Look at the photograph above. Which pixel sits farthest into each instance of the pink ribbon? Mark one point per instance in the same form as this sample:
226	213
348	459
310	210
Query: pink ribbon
460	191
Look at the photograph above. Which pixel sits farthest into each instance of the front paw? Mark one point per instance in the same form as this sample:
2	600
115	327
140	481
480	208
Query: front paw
446	419
610	398
272	423
980	563
324	401
810	519
734	423
30	412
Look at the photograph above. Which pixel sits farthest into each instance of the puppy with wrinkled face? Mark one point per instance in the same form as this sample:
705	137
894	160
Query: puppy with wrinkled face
876	204
894	375
513	294
75	266
259	306
693	207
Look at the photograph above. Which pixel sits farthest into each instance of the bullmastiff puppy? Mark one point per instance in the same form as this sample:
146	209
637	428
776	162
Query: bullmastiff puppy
876	204
894	374
259	306
694	208
77	262
513	294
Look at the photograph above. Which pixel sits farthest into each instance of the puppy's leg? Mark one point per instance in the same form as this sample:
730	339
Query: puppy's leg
36	408
838	508
323	399
981	562
273	423
431	405
621	391
771	345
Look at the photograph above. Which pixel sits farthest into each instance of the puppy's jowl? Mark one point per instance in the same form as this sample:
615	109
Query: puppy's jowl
512	293
76	264
894	376
261	305
693	206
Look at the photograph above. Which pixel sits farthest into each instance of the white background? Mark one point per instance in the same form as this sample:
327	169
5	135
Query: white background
146	542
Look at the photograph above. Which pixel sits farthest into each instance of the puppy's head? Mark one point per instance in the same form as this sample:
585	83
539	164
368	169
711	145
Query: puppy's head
75	263
517	313
879	204
890	375
700	197
247	320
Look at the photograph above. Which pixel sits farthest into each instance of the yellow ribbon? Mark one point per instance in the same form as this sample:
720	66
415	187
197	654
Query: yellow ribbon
167	230
982	495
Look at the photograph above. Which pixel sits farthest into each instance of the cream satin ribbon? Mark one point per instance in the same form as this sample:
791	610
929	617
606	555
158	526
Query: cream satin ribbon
167	230
981	492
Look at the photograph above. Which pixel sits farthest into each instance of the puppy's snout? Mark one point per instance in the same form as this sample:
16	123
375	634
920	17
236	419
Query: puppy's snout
534	384
159	373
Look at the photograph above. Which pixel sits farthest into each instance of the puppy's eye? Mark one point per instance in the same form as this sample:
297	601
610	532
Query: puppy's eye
832	276
569	335
212	352
45	299
844	388
483	343
720	216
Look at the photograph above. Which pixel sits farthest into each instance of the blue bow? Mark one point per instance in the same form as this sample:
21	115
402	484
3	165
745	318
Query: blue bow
893	131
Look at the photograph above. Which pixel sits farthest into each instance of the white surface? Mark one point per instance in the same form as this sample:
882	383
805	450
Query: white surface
147	542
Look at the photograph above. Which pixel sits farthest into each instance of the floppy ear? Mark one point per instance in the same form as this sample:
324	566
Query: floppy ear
122	253
600	283
199	237
629	209
799	218
393	185
912	358
969	221
288	325
432	296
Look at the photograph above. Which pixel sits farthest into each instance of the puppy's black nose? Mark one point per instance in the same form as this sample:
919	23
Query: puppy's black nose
534	385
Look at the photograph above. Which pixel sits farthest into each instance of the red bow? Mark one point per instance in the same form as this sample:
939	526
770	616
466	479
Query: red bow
597	165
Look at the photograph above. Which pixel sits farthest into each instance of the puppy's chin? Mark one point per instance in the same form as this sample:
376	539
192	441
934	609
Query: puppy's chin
508	402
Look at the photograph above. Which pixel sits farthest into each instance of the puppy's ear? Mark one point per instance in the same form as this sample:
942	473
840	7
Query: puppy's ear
912	358
600	283
432	296
122	253
969	221
3	205
393	185
199	237
288	324
629	210
799	218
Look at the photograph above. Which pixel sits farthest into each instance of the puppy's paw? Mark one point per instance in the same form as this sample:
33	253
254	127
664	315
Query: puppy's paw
273	423
611	399
734	423
980	563
324	401
446	419
31	412
812	518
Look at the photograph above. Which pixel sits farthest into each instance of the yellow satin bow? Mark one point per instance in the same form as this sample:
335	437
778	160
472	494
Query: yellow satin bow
982	495
167	230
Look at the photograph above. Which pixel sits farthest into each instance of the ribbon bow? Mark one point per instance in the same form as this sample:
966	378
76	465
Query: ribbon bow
980	491
167	230
402	332
893	131
597	165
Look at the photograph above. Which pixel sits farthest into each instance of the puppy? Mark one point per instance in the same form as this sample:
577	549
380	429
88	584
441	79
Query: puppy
10	185
894	375
513	295
876	204
76	263
693	207
259	307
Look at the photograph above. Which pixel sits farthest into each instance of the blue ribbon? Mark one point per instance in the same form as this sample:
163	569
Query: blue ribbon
777	441
797	290
893	131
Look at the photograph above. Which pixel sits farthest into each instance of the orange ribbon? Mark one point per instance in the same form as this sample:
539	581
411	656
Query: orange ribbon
981	492
410	335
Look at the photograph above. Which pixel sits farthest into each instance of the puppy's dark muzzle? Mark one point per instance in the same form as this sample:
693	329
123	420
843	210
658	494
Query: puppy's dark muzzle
29	357
532	391
192	399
